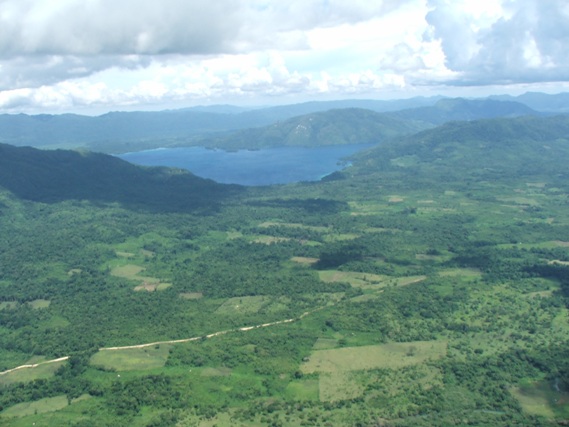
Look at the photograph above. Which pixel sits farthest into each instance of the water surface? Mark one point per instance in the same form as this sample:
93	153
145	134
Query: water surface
267	166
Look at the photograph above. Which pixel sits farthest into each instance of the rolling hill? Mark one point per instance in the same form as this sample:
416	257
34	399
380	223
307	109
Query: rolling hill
56	175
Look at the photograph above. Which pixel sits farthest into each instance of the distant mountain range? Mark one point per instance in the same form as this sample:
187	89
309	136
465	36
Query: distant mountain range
233	127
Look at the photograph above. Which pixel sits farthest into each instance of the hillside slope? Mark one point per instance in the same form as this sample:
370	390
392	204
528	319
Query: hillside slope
51	176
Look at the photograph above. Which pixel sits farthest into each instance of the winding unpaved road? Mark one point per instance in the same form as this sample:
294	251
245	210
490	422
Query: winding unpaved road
126	347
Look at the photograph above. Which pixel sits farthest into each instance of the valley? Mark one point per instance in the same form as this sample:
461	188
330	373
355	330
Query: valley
425	285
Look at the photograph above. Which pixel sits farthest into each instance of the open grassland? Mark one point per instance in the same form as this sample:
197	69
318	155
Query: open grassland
304	260
42	371
543	398
191	295
49	404
325	343
6	305
132	272
268	224
305	389
355	279
132	359
341	385
392	356
128	271
268	240
243	305
39	303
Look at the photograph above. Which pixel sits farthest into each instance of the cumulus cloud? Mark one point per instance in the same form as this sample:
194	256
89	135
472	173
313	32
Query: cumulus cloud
72	53
520	41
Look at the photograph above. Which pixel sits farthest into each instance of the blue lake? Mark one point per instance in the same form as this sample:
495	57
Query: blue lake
268	166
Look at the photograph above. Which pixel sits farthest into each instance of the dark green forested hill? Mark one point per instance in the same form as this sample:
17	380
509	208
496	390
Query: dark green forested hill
493	149
342	126
57	175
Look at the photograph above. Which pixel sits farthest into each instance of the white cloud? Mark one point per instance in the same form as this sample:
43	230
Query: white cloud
67	54
512	41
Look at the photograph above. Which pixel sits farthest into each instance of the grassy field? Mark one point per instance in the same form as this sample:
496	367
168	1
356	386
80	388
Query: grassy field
132	359
542	398
191	295
42	371
356	279
334	386
252	304
392	356
6	305
39	303
41	406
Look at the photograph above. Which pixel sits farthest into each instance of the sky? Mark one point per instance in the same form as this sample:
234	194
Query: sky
94	56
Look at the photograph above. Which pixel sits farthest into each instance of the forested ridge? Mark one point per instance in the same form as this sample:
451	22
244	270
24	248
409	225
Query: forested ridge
434	273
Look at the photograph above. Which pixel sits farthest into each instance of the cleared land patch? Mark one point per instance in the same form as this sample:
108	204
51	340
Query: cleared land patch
354	278
334	386
132	359
470	273
129	271
340	237
395	199
303	389
392	356
304	260
267	240
41	371
325	344
248	304
42	406
8	305
216	372
268	224
542	398
191	295
39	303
151	287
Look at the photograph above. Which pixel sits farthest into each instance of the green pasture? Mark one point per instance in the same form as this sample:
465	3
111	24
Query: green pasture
543	398
355	279
132	359
268	224
243	305
49	404
39	303
391	356
6	305
304	389
340	385
42	371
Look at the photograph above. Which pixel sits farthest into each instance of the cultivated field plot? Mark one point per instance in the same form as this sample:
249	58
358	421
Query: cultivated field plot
132	359
251	304
304	260
334	386
6	305
41	406
391	356
42	371
39	303
543	398
131	272
354	278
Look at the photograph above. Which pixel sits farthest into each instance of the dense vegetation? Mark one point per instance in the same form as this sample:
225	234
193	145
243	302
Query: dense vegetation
428	284
227	127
